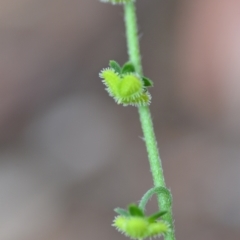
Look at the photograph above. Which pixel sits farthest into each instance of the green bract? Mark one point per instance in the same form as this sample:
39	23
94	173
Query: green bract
125	85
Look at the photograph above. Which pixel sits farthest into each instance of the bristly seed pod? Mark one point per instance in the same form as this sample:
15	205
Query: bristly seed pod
126	86
139	227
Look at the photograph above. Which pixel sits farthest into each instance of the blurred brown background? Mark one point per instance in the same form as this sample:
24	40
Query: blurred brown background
69	154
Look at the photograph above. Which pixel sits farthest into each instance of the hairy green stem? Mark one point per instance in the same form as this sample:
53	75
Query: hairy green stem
145	117
155	190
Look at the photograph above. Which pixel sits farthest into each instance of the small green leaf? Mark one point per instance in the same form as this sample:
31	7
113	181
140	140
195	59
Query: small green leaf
122	212
147	82
128	68
113	64
155	216
135	211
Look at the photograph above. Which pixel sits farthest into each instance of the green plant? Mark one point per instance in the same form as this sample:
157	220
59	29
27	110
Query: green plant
128	86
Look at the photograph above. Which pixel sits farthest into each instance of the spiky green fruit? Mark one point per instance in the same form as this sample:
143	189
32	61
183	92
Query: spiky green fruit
139	227
126	89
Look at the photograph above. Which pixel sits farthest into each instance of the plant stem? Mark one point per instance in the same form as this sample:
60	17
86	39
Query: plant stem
164	201
155	190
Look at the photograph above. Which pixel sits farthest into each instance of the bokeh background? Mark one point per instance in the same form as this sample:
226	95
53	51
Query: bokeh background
69	154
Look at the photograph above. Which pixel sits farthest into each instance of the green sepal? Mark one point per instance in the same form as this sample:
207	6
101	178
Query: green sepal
155	216
135	211
128	68
147	82
113	64
122	212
